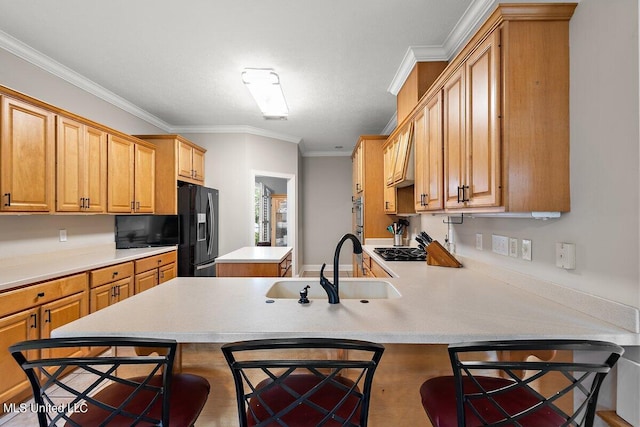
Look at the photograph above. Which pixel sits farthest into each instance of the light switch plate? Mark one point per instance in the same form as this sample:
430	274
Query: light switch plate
500	244
479	241
63	235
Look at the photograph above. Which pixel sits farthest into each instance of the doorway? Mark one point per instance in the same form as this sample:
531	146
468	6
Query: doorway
274	210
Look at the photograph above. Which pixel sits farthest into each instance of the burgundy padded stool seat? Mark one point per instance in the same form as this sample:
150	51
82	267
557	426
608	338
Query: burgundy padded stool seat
188	395
328	396
439	402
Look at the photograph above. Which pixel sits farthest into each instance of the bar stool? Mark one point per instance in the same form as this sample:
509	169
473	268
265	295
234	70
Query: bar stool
301	388
487	393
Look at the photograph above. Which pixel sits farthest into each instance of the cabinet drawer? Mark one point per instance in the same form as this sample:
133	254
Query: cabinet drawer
156	261
30	296
111	273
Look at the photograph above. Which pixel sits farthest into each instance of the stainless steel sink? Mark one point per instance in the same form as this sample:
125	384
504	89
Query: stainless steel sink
349	289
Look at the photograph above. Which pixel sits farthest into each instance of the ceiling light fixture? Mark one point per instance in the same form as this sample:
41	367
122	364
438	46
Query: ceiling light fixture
264	85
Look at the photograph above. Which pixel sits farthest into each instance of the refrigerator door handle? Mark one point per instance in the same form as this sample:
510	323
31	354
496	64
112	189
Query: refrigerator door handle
211	224
203	266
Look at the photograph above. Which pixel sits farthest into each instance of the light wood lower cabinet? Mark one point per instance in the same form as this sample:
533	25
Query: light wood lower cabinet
33	312
152	271
370	268
255	269
110	285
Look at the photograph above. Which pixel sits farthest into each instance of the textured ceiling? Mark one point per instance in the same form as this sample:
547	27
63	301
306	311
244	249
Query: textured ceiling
180	61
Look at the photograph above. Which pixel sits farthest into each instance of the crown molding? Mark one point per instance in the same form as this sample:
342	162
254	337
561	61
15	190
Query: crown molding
46	63
251	130
414	55
460	33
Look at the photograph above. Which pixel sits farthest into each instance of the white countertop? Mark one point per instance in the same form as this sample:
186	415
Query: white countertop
36	268
257	254
438	305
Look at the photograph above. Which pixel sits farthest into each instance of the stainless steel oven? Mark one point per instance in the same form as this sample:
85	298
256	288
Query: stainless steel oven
358	218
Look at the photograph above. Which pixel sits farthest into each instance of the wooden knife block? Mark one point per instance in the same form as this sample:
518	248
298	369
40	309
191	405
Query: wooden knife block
438	255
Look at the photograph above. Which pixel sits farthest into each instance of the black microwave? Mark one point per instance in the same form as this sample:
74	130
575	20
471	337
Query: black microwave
143	231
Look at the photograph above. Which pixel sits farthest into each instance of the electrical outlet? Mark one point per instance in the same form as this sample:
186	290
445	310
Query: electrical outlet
63	235
566	255
513	247
526	249
479	241
500	244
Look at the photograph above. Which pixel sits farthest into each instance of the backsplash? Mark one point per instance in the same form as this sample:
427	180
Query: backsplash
36	234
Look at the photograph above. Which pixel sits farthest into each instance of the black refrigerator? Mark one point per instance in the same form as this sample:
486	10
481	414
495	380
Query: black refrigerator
198	248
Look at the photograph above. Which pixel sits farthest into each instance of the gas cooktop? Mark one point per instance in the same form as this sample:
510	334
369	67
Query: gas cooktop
401	254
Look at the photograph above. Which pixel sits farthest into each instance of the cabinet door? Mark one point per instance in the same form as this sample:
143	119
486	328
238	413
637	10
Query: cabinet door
27	157
421	184
185	160
58	313
360	170
390	152
483	133
166	273
146	280
198	165
17	327
434	161
389	199
95	164
145	171
400	163
100	297
120	198
122	289
70	168
454	139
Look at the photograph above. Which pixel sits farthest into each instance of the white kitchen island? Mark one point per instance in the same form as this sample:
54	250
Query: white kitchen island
437	306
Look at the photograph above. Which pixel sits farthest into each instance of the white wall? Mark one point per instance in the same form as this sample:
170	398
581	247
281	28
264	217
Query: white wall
326	197
603	222
229	161
34	234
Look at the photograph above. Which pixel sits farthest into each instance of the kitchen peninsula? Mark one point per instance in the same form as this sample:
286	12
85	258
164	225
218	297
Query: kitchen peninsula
256	261
437	306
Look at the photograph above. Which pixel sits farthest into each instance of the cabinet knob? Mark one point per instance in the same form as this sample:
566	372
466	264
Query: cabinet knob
40	294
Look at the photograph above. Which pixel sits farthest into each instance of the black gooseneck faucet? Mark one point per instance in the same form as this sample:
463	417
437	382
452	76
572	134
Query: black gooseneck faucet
332	289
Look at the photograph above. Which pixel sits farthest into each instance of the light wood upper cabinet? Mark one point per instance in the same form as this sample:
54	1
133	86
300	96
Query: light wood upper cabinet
145	168
505	116
399	157
190	161
27	157
428	156
368	163
131	176
181	160
81	170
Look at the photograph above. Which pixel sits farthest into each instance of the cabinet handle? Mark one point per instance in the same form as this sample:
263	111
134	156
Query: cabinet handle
88	202
116	290
81	202
34	325
8	196
465	198
40	294
115	273
48	314
459	199
386	205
